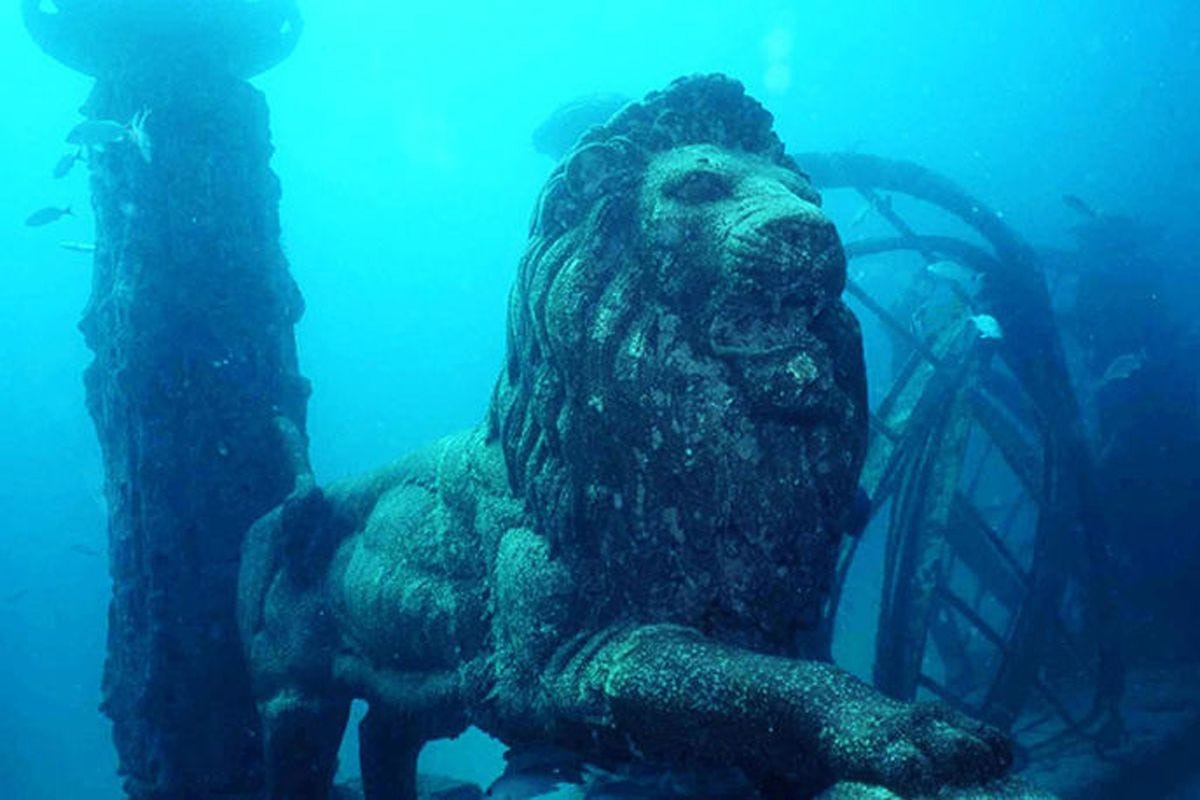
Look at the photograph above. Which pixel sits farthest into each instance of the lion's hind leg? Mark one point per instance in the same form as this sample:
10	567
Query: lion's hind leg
387	750
301	735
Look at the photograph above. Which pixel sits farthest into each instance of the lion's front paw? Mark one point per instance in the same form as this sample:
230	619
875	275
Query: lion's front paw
915	749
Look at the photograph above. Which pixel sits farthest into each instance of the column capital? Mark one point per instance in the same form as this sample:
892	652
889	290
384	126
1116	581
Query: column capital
102	38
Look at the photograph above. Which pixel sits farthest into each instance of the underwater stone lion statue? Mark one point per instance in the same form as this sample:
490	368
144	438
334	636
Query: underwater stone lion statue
625	558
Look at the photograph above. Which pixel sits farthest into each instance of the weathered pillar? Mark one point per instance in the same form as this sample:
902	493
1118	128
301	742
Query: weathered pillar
191	320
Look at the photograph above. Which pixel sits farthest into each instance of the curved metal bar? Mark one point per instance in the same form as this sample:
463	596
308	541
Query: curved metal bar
857	170
1015	292
958	250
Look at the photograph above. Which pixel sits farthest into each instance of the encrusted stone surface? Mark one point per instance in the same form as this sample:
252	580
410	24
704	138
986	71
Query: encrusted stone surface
623	559
190	319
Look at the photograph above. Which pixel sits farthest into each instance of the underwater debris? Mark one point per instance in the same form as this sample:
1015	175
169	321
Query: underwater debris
557	135
63	167
44	216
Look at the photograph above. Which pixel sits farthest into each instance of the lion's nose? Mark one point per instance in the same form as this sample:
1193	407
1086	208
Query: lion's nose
798	252
796	229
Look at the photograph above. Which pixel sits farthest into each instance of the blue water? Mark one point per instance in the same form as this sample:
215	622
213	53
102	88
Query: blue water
403	148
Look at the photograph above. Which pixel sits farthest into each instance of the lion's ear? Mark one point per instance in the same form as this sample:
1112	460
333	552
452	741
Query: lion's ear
592	171
556	211
596	169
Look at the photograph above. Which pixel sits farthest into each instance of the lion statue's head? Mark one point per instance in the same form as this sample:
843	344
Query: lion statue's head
683	403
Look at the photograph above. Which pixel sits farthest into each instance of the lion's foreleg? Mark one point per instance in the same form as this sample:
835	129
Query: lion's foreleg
679	697
387	751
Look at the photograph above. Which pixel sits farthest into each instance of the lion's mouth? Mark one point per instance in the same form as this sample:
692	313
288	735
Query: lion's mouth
758	326
779	362
776	264
770	329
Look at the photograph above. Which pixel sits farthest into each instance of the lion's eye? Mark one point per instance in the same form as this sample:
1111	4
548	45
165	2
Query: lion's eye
699	186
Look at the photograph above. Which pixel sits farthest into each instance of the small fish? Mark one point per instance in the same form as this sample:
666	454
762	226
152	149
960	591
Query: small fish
964	278
78	247
85	550
44	216
101	132
988	326
137	134
64	165
97	133
1123	367
1078	206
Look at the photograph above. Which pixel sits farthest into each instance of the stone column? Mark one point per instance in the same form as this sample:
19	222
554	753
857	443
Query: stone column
191	320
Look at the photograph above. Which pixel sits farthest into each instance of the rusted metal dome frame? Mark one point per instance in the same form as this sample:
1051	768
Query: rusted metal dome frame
1016	391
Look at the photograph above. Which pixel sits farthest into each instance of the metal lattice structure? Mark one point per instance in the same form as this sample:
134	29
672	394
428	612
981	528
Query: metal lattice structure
994	588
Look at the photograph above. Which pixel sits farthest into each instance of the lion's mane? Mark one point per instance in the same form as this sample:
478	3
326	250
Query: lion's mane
647	471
